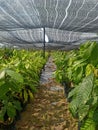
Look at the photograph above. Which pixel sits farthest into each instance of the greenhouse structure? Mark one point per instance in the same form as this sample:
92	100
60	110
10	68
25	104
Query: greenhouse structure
48	64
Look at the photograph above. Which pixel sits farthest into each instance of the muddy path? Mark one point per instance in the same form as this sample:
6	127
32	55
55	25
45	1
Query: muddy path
49	109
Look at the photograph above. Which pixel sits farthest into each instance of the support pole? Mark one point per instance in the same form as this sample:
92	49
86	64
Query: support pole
44	42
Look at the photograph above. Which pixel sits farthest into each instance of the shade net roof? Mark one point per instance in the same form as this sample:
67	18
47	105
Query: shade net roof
67	23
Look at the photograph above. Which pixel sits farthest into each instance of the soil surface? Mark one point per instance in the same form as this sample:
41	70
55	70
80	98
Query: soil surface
49	109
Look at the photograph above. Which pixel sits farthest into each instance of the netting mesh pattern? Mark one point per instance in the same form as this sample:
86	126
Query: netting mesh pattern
67	22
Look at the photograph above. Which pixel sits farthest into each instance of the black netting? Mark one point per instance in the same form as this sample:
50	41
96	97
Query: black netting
66	22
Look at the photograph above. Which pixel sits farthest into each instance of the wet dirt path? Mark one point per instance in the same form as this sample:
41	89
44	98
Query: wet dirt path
49	109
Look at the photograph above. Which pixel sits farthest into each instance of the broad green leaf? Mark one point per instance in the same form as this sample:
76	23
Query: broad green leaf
85	89
95	100
88	125
95	116
94	55
3	97
14	86
88	51
89	69
11	111
83	111
33	88
2	113
73	107
17	105
73	92
14	75
77	75
2	74
85	45
4	89
81	94
79	63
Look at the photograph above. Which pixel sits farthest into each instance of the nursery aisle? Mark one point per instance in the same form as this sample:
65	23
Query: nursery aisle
49	109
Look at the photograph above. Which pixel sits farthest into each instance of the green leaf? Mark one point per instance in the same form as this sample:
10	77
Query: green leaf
85	45
4	89
33	88
88	51
89	69
14	86
25	96
85	89
2	113
94	55
88	125
14	75
73	92
73	107
83	111
30	94
81	95
79	63
17	105
77	75
3	97
95	116
2	74
11	111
